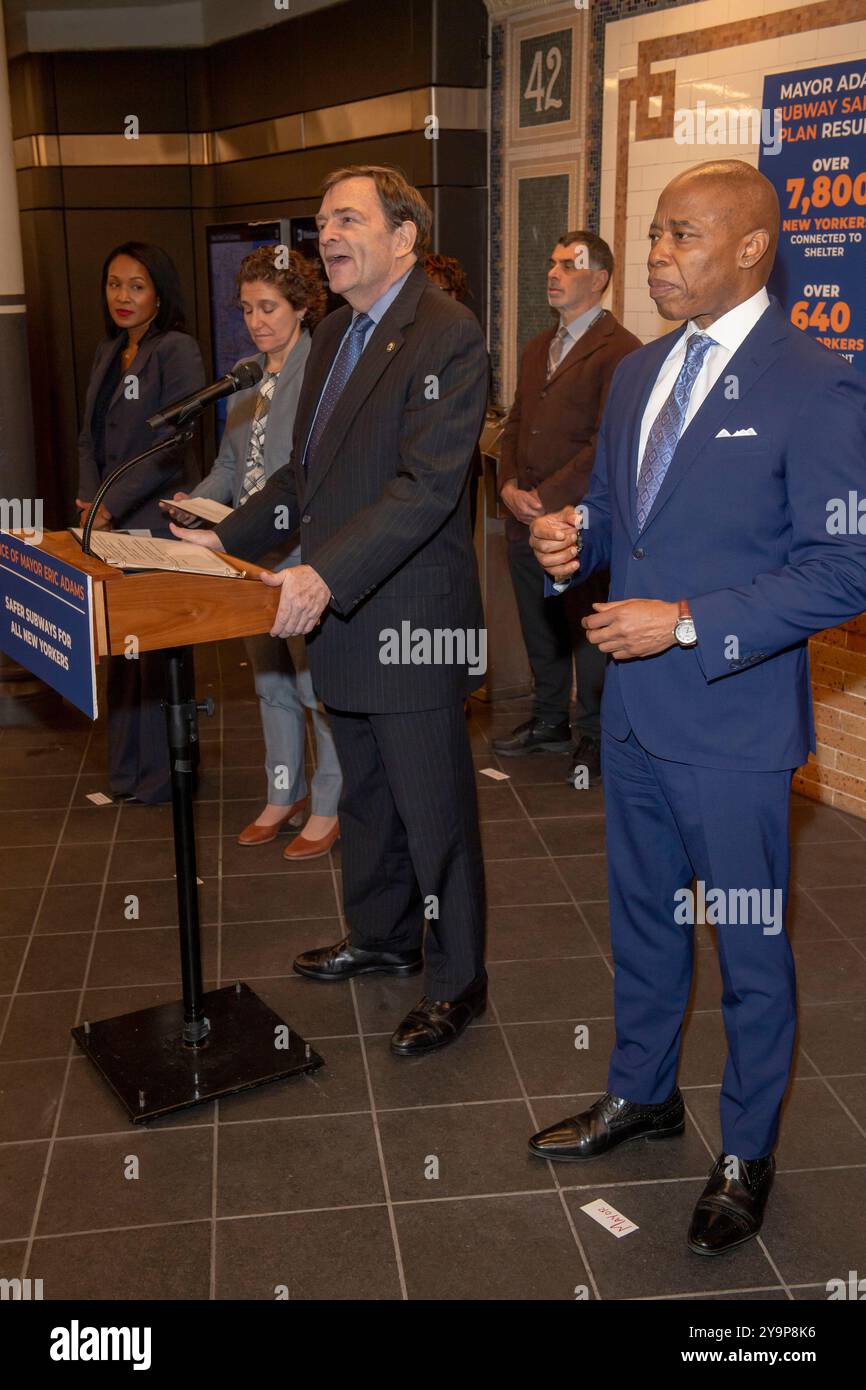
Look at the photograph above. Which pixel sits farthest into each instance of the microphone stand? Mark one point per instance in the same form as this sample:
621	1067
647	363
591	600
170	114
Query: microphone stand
182	728
163	1059
107	483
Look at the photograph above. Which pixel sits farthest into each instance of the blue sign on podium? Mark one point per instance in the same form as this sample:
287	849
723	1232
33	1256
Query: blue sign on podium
46	620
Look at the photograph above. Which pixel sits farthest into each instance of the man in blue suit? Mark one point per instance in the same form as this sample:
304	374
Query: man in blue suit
723	450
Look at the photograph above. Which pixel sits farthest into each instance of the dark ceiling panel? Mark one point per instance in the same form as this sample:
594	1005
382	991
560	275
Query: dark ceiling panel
461	43
31	94
40	188
345	53
300	174
164	186
96	91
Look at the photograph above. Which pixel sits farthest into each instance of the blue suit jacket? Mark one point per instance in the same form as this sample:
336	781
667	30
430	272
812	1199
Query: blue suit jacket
739	529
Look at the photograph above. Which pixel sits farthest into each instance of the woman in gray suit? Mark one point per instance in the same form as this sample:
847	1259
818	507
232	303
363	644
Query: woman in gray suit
146	361
281	304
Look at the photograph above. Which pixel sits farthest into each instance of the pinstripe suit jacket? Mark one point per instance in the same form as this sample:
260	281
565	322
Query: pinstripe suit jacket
384	511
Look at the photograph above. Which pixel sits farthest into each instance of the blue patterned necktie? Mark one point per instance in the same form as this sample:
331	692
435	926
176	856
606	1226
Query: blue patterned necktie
667	427
344	364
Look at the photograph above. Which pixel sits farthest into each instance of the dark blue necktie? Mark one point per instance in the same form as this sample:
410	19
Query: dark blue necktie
344	364
667	427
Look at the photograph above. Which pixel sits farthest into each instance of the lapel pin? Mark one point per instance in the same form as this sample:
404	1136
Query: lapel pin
390	347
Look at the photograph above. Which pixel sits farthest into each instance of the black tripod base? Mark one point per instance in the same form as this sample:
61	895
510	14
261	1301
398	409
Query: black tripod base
152	1071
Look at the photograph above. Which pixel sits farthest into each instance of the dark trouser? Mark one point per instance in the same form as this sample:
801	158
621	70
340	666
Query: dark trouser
137	745
411	847
666	822
554	639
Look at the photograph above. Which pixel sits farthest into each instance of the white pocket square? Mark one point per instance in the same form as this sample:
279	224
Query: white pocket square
726	434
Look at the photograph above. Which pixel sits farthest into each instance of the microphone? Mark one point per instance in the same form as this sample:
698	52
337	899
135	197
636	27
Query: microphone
245	375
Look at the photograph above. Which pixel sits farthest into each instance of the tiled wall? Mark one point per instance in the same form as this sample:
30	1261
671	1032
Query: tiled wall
537	169
542	213
719	52
602	14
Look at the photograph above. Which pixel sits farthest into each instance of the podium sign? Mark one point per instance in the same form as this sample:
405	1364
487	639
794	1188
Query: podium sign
46	620
59	610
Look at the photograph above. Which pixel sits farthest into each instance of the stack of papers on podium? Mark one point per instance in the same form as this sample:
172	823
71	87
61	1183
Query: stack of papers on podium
140	553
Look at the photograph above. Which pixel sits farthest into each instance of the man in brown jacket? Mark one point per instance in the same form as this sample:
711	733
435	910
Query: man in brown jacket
548	449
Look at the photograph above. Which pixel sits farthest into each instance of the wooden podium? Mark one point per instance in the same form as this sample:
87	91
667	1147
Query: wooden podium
208	1045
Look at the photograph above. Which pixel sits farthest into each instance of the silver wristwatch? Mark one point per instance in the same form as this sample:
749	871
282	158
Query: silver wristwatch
684	628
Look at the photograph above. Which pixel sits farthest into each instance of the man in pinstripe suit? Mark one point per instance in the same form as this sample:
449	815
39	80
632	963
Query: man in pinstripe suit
387	593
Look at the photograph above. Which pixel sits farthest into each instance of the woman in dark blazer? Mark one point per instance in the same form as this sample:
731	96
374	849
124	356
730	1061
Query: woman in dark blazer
146	361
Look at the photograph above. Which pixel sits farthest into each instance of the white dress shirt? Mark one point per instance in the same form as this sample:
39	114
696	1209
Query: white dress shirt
729	332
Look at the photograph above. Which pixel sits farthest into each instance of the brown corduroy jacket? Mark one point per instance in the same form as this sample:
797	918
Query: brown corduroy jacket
549	438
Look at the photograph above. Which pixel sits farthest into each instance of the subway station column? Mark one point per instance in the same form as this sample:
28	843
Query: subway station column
17	463
17	460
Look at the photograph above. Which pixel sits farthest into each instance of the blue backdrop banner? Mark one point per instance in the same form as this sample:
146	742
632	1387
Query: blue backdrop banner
46	620
820	176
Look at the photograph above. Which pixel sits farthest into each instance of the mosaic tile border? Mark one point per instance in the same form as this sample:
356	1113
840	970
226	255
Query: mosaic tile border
602	13
647	84
546	148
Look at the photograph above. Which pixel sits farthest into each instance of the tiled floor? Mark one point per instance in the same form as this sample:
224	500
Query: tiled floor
379	1178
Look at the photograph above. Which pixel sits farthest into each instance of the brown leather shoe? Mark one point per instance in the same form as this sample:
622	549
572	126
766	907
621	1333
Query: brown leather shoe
302	848
253	834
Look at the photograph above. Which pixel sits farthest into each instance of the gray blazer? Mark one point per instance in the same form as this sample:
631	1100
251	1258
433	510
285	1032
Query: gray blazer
168	367
223	482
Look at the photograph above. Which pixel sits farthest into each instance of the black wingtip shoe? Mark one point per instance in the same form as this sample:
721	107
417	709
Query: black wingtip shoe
434	1023
610	1121
730	1209
343	961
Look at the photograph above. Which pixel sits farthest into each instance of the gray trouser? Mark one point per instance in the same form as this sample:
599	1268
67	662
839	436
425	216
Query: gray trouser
285	689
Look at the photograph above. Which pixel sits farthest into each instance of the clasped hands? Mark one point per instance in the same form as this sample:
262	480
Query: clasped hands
627	629
304	597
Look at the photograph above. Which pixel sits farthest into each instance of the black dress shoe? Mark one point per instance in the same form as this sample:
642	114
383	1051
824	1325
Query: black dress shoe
586	764
730	1210
610	1121
343	960
534	737
434	1023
